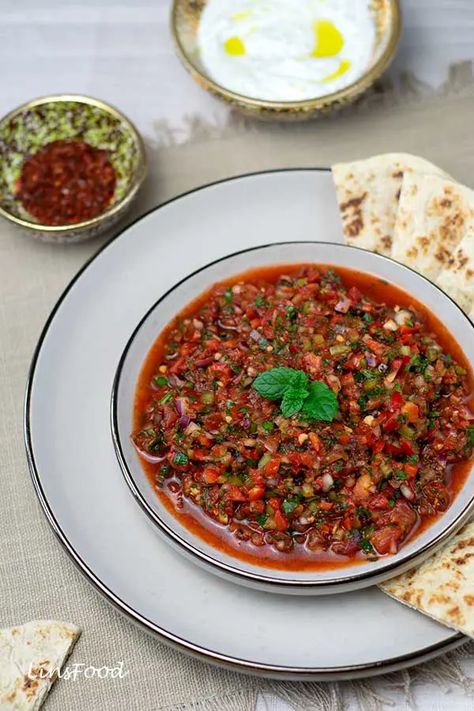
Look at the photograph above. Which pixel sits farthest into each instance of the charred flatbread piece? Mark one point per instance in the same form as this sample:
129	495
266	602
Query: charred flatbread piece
457	279
368	193
443	586
30	657
434	215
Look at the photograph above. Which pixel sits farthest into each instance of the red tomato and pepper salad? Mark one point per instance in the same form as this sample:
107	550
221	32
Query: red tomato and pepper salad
305	416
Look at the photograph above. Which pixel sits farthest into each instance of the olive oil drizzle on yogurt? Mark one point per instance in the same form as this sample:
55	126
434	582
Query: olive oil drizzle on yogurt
286	50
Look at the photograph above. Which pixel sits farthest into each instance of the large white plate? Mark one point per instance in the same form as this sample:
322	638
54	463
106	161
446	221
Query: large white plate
87	502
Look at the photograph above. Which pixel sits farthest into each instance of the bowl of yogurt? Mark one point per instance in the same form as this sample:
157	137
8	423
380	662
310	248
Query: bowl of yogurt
286	59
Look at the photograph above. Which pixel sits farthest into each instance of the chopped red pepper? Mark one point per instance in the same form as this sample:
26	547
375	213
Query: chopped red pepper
66	182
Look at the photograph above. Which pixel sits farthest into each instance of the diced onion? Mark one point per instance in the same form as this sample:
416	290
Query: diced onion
226	326
391	376
327	481
407	492
390	325
180	404
402	316
249	442
192	427
343	305
152	458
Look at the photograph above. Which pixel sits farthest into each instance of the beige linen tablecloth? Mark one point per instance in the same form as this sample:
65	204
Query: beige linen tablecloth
37	579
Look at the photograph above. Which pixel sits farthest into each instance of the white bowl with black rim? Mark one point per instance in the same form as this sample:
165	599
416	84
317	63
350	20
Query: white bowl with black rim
343	579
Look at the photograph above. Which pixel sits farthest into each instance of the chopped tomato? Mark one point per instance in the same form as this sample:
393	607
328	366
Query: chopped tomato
325	505
379	502
211	475
354	294
411	470
256	492
280	521
406	447
385	540
411	411
200	455
396	399
391	423
378	445
364	487
274	502
354	362
272	467
235	494
375	346
315	441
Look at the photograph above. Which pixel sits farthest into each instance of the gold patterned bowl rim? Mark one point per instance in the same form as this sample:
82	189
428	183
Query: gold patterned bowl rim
136	179
307	105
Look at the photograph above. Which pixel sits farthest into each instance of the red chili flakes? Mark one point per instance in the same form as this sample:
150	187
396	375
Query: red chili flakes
66	182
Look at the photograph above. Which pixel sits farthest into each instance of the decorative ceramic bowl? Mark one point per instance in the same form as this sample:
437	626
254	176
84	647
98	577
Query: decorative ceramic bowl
29	127
355	575
184	25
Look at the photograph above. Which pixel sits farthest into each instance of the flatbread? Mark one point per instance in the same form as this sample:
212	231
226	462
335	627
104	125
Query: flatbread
457	279
434	215
443	586
368	192
28	652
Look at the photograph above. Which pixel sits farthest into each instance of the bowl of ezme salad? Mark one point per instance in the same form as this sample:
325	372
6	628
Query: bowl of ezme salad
299	417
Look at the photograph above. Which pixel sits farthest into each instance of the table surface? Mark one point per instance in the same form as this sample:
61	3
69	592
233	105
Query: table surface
122	52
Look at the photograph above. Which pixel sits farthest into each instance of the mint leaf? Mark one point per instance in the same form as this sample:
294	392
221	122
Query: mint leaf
315	400
300	381
274	383
292	402
321	403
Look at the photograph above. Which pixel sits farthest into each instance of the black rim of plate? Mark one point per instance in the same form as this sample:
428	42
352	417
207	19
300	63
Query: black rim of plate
235	663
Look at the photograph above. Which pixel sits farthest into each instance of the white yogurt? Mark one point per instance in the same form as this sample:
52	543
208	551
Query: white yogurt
286	50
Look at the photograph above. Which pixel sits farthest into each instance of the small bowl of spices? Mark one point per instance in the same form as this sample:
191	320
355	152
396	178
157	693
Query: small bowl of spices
70	166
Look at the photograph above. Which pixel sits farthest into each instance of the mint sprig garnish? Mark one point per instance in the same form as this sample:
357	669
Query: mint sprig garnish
292	401
314	400
274	383
321	402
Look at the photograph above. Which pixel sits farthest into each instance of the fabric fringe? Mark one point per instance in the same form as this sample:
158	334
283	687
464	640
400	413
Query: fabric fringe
443	672
330	696
244	700
377	694
309	696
